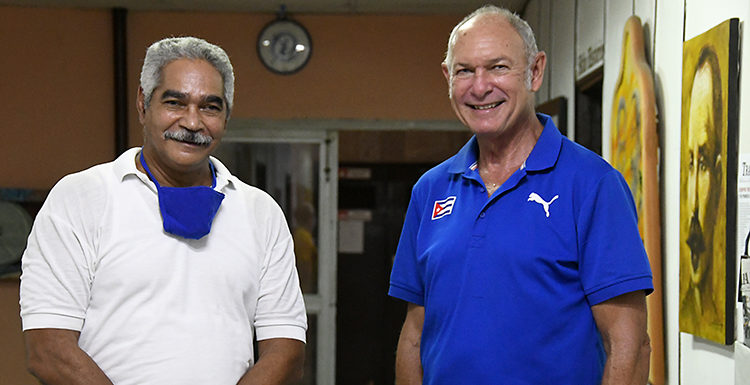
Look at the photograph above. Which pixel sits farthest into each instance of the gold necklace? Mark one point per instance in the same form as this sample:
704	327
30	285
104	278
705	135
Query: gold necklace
491	187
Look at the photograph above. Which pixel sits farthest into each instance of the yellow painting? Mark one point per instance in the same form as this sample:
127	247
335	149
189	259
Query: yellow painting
635	155
704	309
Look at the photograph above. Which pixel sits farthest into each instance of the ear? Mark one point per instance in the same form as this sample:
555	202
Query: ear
446	72
141	105
537	70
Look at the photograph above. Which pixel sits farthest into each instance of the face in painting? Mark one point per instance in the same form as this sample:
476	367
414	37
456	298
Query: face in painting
186	118
491	84
703	173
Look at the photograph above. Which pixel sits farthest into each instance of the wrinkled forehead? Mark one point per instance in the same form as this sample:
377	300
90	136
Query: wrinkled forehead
489	31
487	24
191	70
190	78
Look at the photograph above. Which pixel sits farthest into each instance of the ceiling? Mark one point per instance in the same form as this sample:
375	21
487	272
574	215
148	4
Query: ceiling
292	6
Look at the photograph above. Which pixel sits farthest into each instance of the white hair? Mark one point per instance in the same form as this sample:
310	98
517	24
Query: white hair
168	50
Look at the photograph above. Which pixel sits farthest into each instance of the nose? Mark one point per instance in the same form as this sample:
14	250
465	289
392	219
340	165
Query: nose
191	119
481	84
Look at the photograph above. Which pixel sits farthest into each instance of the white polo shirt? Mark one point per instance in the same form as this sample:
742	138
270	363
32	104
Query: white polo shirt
154	308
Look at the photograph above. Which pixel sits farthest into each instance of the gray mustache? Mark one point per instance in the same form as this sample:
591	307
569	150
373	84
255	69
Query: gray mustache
189	137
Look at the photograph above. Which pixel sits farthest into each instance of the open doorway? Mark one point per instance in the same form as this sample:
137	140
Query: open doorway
377	170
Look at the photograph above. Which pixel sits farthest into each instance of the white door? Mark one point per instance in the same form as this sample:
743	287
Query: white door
299	169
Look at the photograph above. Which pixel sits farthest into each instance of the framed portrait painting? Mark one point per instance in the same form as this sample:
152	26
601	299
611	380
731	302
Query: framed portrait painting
708	185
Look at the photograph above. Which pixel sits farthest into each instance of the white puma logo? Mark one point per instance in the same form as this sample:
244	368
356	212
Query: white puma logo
534	197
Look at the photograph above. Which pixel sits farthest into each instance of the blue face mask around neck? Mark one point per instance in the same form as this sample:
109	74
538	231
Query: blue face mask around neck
187	212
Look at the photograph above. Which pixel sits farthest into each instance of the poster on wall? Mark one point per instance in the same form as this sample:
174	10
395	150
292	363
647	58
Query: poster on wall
635	154
708	184
743	245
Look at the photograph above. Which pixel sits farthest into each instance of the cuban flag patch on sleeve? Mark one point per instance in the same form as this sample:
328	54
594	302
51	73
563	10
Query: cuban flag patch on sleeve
443	207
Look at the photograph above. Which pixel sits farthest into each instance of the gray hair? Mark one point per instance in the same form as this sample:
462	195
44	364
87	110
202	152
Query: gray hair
520	25
170	49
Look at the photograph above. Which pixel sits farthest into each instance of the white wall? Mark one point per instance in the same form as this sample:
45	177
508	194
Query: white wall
690	360
538	15
667	67
556	36
589	37
561	57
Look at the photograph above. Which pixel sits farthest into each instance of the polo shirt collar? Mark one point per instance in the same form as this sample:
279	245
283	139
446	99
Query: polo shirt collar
543	156
465	158
547	147
124	165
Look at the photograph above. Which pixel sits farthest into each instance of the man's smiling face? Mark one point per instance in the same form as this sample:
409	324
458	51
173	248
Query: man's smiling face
186	118
488	76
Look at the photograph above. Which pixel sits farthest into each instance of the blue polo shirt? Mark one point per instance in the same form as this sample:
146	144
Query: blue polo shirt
508	281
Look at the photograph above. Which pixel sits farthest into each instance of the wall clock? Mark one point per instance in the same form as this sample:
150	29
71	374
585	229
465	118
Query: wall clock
284	46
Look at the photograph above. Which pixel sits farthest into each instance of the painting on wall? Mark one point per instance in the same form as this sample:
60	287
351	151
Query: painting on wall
635	154
708	185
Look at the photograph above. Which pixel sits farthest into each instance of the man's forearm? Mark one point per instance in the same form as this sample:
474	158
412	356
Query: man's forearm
53	356
408	363
622	324
628	367
280	362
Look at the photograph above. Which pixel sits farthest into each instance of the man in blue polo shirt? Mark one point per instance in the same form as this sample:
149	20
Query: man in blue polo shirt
520	256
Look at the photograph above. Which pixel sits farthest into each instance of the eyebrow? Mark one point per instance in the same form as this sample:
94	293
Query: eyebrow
484	63
172	94
214	99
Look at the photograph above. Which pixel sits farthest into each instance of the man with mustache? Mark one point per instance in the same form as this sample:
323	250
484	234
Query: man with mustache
162	267
699	311
520	256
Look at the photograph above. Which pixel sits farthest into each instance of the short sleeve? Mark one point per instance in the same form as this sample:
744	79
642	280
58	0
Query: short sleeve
280	311
407	282
57	265
613	260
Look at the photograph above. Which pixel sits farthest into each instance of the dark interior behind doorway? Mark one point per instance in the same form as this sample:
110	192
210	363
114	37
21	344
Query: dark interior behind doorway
368	321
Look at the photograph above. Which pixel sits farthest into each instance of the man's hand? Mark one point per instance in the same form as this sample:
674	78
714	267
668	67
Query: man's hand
53	356
622	324
408	362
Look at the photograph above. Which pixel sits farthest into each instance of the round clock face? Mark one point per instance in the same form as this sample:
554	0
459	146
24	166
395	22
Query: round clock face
284	46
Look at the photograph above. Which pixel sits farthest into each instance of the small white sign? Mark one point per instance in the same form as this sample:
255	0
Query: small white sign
743	231
351	236
743	201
